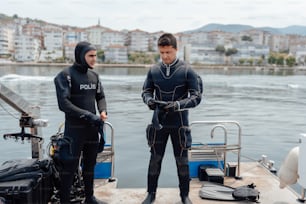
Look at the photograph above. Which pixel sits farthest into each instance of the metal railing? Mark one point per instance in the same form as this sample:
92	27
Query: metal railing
224	147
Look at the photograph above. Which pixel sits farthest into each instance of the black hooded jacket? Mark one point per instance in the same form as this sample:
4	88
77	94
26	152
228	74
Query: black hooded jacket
79	88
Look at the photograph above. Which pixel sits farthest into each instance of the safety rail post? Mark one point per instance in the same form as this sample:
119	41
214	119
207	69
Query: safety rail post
112	146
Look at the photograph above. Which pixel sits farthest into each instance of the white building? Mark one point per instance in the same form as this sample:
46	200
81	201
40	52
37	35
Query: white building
110	37
116	54
49	56
279	43
53	39
27	48
258	37
251	51
69	51
74	36
153	38
299	53
4	44
95	35
203	54
138	40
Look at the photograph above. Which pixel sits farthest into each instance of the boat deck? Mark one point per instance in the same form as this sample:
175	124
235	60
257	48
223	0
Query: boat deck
251	172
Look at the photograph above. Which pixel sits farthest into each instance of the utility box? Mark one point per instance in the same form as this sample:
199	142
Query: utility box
211	175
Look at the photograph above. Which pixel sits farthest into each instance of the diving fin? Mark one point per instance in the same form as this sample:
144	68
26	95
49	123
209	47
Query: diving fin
216	191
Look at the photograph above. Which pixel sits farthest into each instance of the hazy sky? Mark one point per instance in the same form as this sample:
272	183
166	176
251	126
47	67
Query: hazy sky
156	15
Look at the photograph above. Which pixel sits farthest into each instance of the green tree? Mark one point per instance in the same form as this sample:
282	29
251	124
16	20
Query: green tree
241	61
220	49
246	38
230	51
142	58
290	61
100	55
259	61
272	59
250	61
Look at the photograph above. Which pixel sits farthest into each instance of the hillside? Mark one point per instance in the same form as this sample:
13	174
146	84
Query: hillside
235	28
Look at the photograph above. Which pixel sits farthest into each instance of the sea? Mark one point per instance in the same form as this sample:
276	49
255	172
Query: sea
270	107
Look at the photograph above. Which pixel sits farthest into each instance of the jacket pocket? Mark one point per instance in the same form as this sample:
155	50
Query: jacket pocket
151	135
185	137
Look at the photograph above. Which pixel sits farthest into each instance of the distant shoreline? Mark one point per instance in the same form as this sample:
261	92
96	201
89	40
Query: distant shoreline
69	64
147	66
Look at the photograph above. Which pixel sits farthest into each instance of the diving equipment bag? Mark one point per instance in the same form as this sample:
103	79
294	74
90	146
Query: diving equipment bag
26	181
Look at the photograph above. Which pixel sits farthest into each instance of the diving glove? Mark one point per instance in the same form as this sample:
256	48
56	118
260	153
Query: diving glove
151	104
171	106
92	119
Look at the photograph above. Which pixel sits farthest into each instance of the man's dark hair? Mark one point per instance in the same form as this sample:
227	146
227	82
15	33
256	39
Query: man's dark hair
167	39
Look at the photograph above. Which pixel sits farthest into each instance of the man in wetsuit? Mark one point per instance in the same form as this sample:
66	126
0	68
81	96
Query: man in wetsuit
78	90
170	89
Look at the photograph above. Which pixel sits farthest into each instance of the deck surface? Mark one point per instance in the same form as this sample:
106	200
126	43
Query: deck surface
251	172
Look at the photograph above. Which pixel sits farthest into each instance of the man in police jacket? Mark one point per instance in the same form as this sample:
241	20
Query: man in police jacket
78	90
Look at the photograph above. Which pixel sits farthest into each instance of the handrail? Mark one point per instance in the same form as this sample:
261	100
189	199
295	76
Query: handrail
225	147
112	146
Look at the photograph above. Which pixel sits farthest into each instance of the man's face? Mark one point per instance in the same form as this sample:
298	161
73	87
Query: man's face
167	54
91	58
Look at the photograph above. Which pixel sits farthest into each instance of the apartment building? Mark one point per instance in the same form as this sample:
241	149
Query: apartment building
204	53
95	34
279	43
138	40
27	48
111	37
73	36
153	38
69	52
4	43
257	36
251	51
299	51
53	39
116	54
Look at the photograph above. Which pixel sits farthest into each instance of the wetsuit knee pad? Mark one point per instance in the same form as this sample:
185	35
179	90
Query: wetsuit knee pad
181	161
151	135
182	165
185	137
155	164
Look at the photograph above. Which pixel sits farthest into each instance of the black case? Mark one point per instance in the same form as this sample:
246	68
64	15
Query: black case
26	191
212	175
47	186
30	182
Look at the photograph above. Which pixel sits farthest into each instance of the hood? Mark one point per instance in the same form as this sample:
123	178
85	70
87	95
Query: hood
79	53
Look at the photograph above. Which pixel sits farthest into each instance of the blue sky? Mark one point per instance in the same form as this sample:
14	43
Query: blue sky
156	15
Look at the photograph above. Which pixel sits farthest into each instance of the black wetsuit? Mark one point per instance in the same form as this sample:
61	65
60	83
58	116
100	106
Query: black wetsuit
78	91
173	83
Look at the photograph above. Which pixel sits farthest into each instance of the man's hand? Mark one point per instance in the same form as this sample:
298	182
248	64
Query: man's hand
103	115
151	104
171	106
92	119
